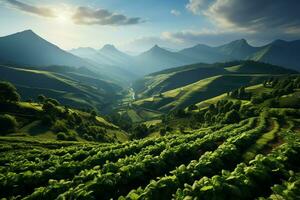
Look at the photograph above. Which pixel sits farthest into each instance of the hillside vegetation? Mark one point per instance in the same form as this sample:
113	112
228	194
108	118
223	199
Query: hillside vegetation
46	120
72	87
180	87
244	147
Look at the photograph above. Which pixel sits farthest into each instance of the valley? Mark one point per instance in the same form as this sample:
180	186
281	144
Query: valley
203	122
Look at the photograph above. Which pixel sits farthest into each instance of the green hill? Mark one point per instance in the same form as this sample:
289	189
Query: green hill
46	119
170	79
232	149
70	88
199	91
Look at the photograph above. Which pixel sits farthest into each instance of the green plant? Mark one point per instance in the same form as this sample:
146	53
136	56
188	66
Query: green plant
8	92
8	124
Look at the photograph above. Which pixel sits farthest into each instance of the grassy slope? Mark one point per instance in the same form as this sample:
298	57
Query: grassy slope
170	79
69	90
32	128
199	91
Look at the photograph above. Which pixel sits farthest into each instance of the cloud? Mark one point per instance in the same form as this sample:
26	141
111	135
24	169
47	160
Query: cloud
255	15
90	16
190	37
196	6
41	11
175	12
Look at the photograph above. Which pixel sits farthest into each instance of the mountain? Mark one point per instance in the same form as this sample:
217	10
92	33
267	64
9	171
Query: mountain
205	54
281	53
27	48
158	58
178	87
107	55
237	50
112	60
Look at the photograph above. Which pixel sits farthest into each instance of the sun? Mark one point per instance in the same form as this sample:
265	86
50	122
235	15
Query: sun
63	17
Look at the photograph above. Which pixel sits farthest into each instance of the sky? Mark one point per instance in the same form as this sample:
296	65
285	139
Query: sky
137	25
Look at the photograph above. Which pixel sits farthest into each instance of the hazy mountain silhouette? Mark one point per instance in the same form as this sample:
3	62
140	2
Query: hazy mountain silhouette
158	58
27	48
280	52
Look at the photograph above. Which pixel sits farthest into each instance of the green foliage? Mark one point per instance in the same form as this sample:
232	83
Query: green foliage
8	92
232	117
140	131
8	124
52	101
41	98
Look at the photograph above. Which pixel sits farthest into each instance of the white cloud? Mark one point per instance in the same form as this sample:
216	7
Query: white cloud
175	12
196	6
91	16
41	11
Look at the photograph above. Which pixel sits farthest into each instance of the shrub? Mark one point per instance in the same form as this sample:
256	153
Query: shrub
232	117
65	136
53	101
61	136
59	126
8	92
8	124
41	98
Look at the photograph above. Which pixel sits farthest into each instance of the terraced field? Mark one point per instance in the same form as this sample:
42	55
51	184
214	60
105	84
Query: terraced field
258	154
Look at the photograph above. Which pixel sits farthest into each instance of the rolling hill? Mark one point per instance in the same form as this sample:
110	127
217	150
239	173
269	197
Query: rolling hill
180	87
199	91
71	88
169	79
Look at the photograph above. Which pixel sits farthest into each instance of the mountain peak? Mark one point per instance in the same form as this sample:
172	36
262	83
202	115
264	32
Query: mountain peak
28	32
156	48
241	41
109	47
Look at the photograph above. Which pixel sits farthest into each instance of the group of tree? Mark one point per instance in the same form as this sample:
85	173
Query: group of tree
240	93
280	86
8	93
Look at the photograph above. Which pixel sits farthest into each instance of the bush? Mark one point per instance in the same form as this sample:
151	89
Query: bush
8	92
8	124
66	137
53	101
59	126
232	117
61	136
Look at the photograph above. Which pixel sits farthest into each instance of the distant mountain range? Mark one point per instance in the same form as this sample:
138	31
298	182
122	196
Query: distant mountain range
279	52
27	48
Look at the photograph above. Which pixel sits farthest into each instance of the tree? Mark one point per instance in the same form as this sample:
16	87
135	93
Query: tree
140	131
41	98
8	124
93	114
8	92
232	117
53	101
